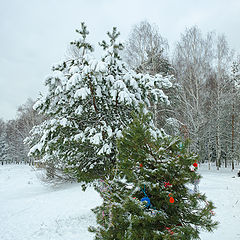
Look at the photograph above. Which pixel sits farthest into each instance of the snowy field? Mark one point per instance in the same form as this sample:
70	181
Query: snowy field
30	210
224	190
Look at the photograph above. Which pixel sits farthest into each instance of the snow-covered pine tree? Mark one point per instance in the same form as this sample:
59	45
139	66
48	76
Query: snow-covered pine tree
87	105
149	197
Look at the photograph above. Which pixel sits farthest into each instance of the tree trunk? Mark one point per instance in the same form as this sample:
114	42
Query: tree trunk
233	118
233	140
225	162
209	162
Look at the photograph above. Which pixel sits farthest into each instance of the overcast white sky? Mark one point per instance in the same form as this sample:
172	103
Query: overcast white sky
34	34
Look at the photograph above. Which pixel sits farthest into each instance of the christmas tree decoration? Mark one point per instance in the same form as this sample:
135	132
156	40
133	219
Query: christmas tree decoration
167	184
169	230
195	164
147	200
171	200
148	210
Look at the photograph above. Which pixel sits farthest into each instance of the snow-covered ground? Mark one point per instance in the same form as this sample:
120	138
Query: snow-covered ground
30	210
224	190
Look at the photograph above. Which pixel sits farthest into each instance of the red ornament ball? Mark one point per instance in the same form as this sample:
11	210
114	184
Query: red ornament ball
169	230
195	164
141	165
167	184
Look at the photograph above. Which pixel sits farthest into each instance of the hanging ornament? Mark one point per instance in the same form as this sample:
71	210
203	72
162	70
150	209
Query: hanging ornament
169	230
171	200
167	184
147	200
141	165
195	164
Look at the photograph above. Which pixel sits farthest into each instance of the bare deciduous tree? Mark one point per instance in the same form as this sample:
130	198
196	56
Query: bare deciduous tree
146	50
202	67
18	129
192	59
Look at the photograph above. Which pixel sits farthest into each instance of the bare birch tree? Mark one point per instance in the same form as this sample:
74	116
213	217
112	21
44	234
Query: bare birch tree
202	65
192	61
146	50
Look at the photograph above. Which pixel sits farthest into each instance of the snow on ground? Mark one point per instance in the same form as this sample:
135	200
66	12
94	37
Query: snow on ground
224	190
31	210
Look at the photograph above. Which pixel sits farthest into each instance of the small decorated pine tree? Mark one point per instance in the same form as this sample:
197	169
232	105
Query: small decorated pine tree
149	197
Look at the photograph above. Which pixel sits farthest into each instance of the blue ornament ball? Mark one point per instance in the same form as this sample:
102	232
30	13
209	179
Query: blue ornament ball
146	199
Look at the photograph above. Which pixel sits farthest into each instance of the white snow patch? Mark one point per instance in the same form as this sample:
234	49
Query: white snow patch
63	122
96	139
74	69
98	91
82	92
30	210
101	67
79	110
